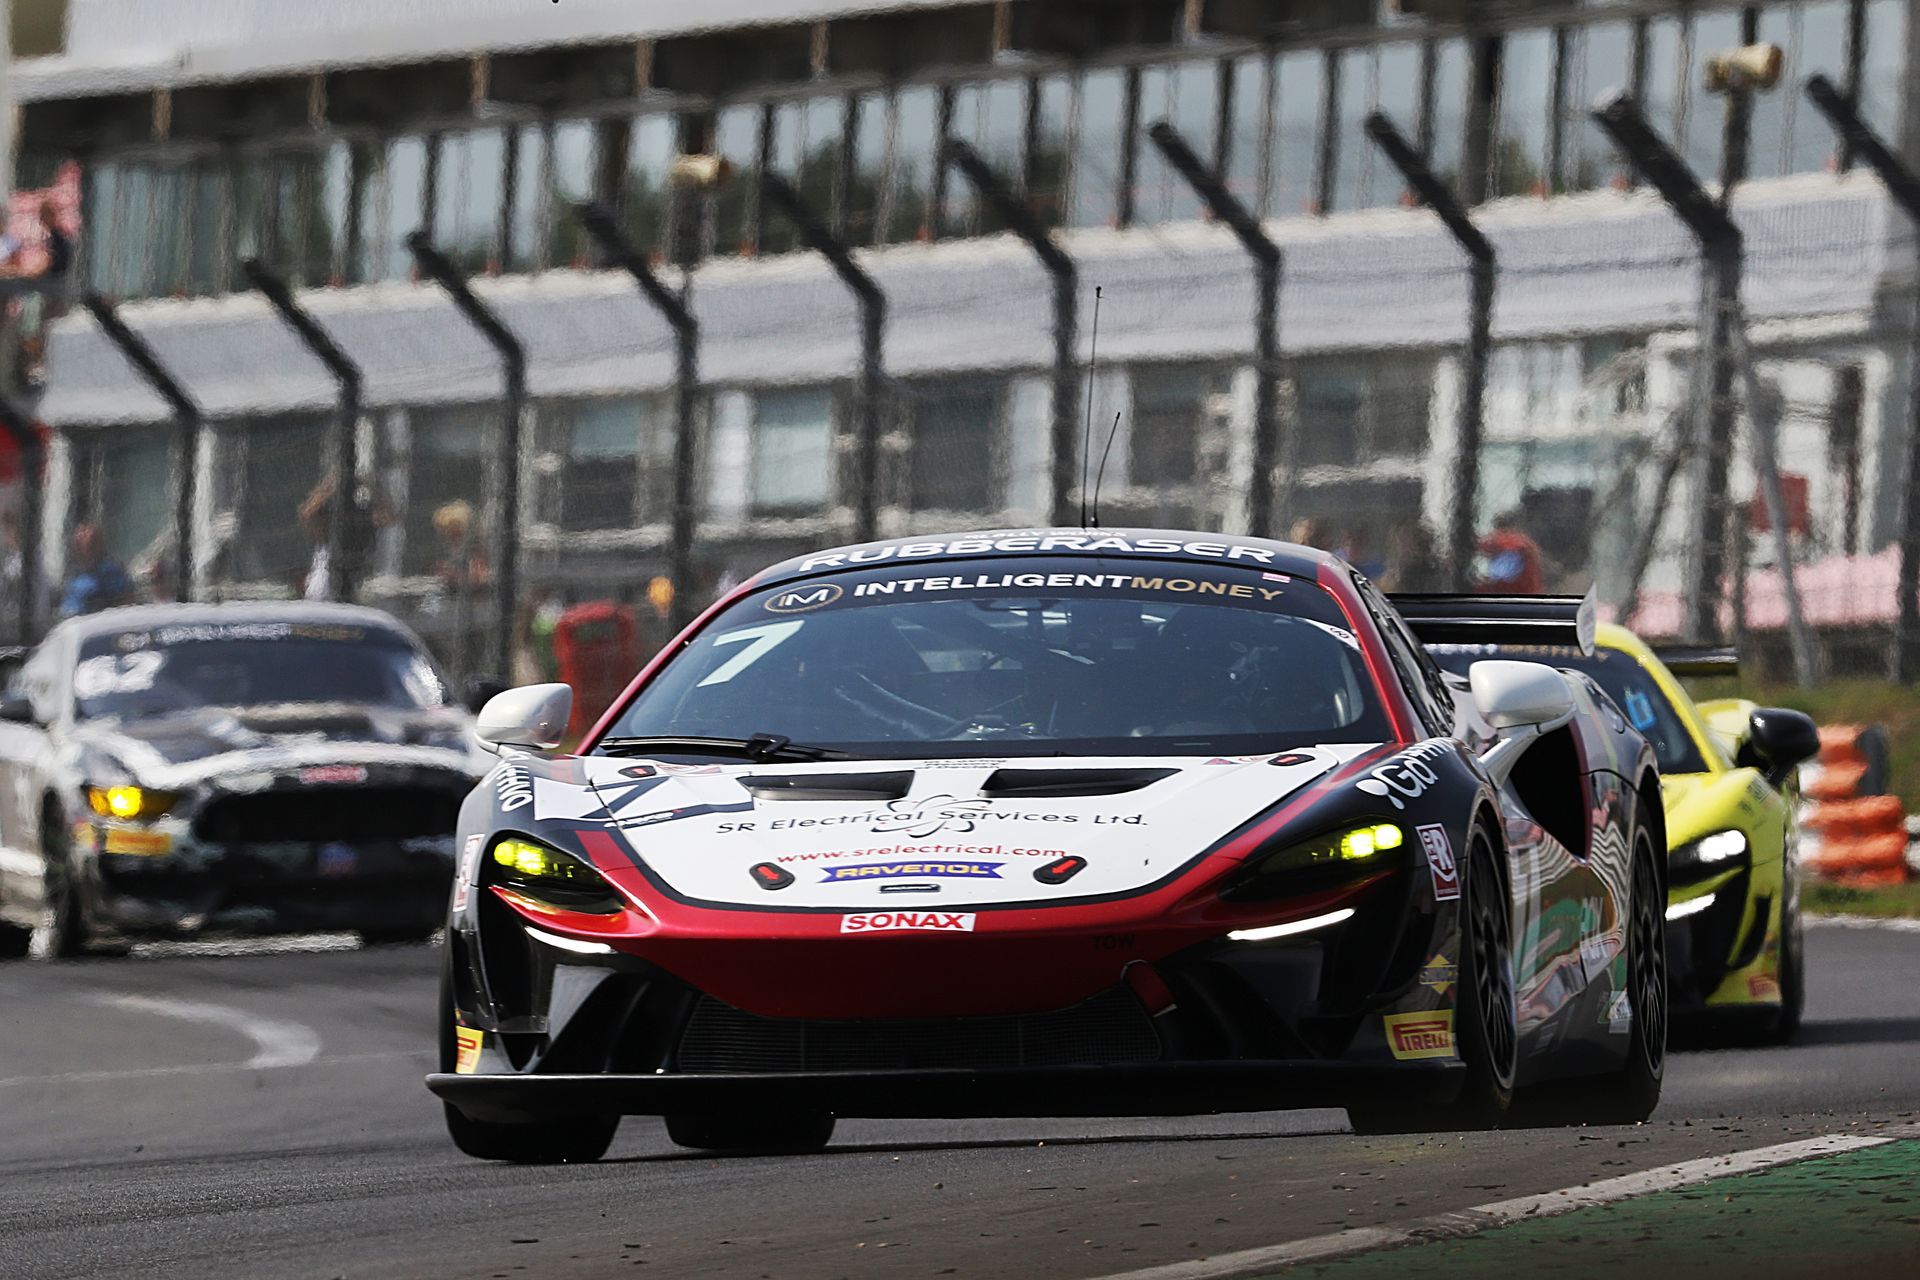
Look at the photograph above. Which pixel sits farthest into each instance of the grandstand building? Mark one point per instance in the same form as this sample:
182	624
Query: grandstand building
317	136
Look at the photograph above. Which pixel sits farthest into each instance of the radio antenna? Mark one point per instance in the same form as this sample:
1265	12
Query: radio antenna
1086	432
1100	475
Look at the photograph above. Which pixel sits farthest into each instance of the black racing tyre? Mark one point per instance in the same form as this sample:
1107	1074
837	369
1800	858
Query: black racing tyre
66	925
571	1141
787	1134
575	1140
1486	1017
1793	975
1630	1095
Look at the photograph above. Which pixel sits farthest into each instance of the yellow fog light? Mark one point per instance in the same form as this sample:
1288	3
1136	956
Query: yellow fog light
1364	842
129	803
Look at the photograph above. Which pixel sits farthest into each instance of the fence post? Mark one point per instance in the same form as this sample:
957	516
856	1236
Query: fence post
506	506
873	323
348	380
1903	185
600	224
1267	263
1484	267
186	416
1020	220
1723	250
26	439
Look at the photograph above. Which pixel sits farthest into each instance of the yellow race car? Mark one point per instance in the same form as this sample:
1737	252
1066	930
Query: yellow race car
1728	773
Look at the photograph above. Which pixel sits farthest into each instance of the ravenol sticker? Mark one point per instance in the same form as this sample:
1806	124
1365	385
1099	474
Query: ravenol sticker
469	870
466	1057
932	870
1446	872
895	921
318	774
1420	1035
1439	974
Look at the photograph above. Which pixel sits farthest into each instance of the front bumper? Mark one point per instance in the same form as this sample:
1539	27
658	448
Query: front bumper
1144	1089
201	889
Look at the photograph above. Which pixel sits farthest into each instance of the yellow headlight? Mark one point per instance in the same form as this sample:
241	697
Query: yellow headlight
1364	842
129	803
537	862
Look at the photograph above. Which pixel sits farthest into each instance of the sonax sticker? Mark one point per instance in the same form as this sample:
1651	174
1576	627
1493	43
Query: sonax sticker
885	921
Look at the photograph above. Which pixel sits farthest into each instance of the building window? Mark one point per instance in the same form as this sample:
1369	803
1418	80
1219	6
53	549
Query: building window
272	467
1599	59
736	210
1356	409
1517	155
114	474
1296	133
1703	127
392	206
612	462
807	143
992	119
860	204
646	201
954	456
469	187
446	464
1049	159
1816	40
1175	408
1186	95
1097	118
792	467
1382	78
916	116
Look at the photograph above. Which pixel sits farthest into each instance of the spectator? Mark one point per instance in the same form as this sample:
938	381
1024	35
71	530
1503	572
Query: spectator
1514	564
98	580
463	573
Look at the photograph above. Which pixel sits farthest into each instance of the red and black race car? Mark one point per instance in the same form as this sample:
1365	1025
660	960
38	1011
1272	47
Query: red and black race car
1057	822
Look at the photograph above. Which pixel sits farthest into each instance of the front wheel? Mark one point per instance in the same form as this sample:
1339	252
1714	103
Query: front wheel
795	1134
580	1141
1486	1018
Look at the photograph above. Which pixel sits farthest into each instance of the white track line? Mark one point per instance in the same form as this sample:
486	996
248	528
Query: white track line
207	1068
1464	1222
276	1043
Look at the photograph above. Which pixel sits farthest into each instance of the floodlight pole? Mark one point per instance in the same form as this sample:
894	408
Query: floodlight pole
1020	220
873	325
1267	264
1483	266
506	505
600	224
348	381
187	420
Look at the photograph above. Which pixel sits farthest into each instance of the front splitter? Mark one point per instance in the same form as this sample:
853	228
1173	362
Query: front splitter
1155	1089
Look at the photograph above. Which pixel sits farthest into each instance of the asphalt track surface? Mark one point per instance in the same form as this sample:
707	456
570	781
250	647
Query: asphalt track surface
263	1115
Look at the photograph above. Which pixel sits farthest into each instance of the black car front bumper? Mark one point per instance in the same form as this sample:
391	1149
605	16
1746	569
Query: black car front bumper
1140	1089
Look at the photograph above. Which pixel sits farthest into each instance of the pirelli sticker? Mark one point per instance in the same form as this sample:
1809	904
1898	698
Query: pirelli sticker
1420	1035
466	1056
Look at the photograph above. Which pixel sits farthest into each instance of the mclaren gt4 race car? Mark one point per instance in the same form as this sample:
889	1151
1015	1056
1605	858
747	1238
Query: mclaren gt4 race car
1728	771
1051	823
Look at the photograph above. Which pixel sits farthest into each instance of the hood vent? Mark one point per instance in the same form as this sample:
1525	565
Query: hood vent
831	786
1037	783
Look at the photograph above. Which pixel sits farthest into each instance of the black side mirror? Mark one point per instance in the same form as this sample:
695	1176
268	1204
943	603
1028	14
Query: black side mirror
17	708
481	690
1778	741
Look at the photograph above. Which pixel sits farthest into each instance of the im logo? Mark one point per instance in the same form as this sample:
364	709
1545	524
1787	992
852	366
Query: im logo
800	599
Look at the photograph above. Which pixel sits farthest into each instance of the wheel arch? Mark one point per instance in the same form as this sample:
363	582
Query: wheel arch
1650	808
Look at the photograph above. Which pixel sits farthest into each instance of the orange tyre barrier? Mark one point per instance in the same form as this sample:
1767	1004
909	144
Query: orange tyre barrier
1854	839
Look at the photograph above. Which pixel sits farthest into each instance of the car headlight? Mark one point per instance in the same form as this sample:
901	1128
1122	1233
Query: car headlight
1709	855
543	872
1310	864
130	804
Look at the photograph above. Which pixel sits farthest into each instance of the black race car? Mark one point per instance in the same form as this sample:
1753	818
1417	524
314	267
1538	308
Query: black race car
1056	822
171	771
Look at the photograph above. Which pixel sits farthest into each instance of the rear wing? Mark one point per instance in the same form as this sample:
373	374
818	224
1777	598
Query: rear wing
1699	660
1558	621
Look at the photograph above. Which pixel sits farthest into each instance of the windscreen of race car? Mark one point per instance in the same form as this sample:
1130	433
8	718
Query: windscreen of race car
1054	658
137	675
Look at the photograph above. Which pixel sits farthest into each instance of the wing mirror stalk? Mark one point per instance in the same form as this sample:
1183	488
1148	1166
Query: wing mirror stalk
1521	701
531	718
